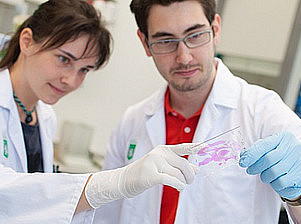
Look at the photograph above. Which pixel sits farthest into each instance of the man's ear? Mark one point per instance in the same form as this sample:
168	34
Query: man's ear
26	42
216	26
143	40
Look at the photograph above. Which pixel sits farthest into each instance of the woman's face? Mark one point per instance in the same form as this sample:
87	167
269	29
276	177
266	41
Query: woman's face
51	74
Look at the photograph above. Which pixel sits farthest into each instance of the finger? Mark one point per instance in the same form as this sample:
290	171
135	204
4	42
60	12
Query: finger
275	172
250	155
187	148
266	161
182	165
195	168
171	181
282	183
174	172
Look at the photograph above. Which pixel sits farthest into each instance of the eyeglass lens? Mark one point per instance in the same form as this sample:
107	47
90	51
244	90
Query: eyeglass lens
194	40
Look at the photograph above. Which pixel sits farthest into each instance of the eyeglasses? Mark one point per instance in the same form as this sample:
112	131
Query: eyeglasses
193	40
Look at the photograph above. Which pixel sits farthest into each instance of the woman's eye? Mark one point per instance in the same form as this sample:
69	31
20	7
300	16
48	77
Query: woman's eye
64	59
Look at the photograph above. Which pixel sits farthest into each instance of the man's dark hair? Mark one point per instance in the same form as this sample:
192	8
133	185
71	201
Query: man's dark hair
141	8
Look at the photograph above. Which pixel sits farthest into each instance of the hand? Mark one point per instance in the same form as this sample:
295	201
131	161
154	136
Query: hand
162	165
278	160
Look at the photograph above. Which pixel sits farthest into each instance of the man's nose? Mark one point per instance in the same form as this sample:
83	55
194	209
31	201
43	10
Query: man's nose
184	55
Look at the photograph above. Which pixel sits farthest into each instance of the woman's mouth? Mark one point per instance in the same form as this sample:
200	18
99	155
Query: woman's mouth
57	90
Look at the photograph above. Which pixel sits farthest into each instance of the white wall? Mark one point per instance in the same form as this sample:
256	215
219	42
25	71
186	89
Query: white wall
257	28
129	77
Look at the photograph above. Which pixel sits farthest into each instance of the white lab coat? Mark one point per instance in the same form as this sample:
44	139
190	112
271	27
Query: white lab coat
33	198
227	196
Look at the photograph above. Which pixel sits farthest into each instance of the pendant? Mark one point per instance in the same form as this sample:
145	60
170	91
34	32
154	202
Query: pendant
28	119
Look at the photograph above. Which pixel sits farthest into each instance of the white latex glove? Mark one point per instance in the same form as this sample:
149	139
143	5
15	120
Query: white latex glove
162	165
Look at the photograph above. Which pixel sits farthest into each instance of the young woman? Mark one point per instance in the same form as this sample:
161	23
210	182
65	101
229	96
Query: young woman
48	57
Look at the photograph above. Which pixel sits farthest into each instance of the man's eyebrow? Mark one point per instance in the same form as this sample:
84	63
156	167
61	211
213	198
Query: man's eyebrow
162	34
194	27
166	34
70	55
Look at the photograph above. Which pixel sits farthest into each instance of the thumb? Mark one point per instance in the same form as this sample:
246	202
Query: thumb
261	147
187	148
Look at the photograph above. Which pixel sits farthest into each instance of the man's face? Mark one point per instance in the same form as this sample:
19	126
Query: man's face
185	69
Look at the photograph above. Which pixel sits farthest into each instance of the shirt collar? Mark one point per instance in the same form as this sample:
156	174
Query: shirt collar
170	111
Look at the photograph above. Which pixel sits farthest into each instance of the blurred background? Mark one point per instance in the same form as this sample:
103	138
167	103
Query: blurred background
260	42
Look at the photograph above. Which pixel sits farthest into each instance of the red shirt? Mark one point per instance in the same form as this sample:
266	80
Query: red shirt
178	130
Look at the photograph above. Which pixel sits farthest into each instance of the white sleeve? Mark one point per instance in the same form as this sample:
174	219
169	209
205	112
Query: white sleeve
41	197
109	213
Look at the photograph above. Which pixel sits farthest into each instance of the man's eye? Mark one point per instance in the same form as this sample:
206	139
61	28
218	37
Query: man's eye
196	36
64	59
165	42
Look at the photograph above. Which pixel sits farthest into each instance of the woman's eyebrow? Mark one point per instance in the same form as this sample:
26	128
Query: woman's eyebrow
75	59
70	55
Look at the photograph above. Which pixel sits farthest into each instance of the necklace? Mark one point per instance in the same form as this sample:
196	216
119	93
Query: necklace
28	118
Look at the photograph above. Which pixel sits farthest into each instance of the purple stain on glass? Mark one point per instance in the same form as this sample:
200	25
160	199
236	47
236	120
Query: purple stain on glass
218	152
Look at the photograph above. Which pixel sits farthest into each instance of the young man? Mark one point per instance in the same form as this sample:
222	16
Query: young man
203	99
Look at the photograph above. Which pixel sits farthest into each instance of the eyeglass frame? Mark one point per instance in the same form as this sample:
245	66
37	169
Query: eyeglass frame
178	40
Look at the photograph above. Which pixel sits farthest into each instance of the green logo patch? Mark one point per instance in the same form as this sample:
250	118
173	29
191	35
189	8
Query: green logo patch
131	150
5	148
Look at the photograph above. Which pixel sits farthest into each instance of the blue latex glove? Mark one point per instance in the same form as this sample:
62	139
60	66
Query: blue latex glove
278	160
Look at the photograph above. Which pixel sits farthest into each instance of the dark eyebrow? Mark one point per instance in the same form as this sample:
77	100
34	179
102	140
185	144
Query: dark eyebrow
162	34
74	58
166	34
194	27
70	55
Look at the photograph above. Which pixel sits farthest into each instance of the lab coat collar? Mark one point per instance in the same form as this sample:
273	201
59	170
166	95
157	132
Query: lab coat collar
156	103
6	99
224	92
14	128
45	113
155	111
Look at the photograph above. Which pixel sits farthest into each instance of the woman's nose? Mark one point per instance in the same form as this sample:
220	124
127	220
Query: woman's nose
70	78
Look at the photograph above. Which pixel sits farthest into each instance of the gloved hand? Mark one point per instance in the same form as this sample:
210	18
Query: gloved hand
278	160
162	165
